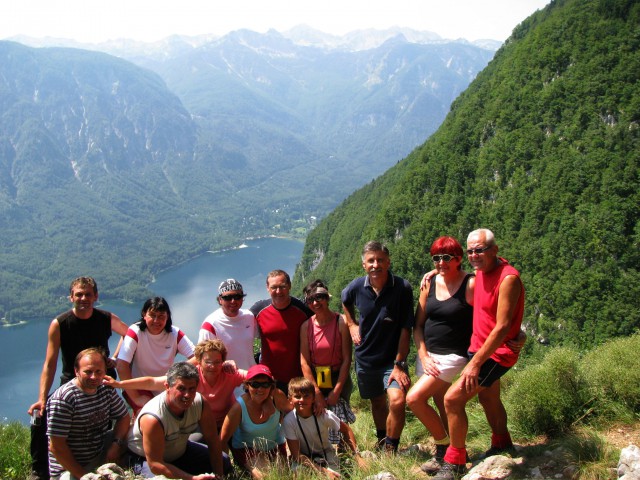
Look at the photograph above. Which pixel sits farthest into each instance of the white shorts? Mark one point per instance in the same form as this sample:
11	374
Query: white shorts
449	365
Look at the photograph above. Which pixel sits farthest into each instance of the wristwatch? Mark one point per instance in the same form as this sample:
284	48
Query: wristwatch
401	364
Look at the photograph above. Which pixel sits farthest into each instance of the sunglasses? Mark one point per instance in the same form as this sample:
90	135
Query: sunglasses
317	298
228	298
445	257
256	384
478	251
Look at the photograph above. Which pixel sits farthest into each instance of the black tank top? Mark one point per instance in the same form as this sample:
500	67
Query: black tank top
449	322
77	334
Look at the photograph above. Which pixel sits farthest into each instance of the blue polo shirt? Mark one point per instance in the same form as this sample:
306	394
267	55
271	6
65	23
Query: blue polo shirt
381	318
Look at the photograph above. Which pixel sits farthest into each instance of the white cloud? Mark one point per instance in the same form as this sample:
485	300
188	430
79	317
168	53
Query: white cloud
149	20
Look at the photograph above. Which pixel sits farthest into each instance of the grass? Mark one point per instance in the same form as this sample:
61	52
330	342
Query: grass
556	384
14	451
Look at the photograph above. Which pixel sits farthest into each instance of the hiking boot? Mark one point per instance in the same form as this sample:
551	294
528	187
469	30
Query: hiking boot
432	466
508	450
449	471
389	449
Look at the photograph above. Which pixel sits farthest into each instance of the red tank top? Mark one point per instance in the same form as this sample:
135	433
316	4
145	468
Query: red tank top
485	307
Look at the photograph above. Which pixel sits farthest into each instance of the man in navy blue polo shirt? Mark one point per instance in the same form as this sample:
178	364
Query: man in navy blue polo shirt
382	339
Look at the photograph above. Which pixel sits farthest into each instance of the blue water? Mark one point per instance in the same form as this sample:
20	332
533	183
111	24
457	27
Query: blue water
190	289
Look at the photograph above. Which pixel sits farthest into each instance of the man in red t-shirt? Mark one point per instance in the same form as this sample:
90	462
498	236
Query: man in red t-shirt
279	319
498	308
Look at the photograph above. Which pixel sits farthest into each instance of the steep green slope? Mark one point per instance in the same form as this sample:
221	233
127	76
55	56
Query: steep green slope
543	149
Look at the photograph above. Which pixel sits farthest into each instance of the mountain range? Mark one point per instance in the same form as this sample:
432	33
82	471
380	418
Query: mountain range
543	149
119	166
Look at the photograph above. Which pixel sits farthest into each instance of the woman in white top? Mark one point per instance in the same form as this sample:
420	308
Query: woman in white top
150	348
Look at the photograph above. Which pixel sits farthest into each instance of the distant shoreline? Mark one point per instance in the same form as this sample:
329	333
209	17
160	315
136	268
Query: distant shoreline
221	250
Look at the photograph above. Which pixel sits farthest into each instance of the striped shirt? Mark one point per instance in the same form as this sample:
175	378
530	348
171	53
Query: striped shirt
82	419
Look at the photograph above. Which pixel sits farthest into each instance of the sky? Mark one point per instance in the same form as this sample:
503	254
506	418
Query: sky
95	21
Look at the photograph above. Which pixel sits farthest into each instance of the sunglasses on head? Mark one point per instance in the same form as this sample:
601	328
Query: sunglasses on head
445	257
318	297
256	384
228	298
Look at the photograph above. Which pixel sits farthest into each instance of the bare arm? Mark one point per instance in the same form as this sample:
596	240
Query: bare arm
294	449
350	440
60	449
281	401
120	430
211	438
49	367
426	279
399	374
429	366
347	345
119	327
307	371
354	328
155	384
231	422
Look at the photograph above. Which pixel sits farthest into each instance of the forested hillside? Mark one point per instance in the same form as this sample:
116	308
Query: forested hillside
543	148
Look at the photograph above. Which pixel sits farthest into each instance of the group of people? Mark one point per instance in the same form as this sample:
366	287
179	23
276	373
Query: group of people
293	392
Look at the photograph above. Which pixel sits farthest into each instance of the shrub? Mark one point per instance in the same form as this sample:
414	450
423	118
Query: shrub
14	451
612	373
547	398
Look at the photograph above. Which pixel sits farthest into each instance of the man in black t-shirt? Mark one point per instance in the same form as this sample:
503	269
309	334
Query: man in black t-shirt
69	333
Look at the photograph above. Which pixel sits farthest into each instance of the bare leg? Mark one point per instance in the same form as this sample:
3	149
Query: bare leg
380	411
397	412
455	401
493	408
417	399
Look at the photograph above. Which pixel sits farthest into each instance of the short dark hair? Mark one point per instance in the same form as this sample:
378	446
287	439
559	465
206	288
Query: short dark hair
374	246
182	370
90	351
277	273
84	282
301	385
156	304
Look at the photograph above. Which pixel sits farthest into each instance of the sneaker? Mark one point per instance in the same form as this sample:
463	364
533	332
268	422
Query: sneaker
449	471
508	450
433	465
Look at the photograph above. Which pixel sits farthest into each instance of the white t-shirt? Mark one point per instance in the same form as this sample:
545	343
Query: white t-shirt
237	333
152	355
327	421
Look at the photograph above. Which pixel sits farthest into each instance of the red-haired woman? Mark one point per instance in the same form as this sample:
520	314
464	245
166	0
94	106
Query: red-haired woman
442	332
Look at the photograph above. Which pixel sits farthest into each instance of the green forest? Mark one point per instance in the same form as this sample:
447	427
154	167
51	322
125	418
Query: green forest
543	149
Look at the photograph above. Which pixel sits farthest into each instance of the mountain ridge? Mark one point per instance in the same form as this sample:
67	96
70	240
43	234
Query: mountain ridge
541	148
245	136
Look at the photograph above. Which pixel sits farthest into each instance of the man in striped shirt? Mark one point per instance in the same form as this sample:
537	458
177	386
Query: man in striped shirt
80	416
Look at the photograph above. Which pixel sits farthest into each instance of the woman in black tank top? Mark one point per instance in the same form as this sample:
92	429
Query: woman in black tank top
442	331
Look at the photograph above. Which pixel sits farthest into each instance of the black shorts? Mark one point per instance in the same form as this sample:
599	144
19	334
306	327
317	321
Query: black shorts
490	371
